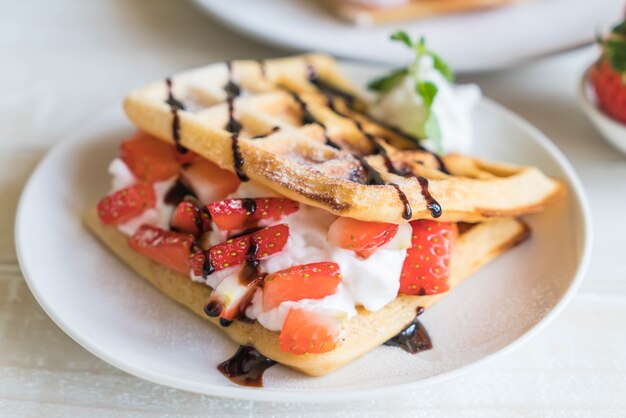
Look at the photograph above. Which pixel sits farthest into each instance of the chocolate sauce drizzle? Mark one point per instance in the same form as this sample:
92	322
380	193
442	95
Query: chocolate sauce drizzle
246	367
433	206
373	177
414	338
177	193
233	126
175	106
307	118
249	273
274	129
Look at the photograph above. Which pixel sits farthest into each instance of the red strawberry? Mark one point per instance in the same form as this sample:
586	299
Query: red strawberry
125	204
236	214
185	158
309	332
308	281
208	181
149	158
188	217
427	264
168	248
235	251
608	76
359	236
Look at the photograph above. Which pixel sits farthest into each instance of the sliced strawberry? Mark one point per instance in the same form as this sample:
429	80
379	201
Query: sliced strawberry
185	158
125	204
309	332
307	281
168	248
236	214
188	217
427	264
149	158
230	298
208	181
236	251
359	236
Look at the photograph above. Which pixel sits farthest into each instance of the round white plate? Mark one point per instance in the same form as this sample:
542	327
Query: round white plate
476	41
117	316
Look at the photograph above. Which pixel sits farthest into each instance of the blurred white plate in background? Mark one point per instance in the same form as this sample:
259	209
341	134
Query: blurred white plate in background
477	41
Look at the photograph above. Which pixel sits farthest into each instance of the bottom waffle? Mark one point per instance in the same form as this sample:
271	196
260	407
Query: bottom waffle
475	247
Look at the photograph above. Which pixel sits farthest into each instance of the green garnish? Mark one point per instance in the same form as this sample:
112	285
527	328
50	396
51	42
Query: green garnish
614	48
425	89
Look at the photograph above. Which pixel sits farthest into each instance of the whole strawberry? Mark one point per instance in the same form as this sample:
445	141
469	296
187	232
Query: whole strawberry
608	76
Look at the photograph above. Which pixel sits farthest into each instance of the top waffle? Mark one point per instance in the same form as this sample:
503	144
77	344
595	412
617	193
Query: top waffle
296	125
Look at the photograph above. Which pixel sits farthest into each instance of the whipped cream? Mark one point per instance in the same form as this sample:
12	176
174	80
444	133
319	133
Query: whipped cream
371	283
158	216
403	107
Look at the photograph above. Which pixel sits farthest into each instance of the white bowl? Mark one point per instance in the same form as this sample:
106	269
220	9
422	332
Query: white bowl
612	130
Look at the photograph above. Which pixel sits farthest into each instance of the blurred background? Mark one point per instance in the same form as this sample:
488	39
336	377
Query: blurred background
65	61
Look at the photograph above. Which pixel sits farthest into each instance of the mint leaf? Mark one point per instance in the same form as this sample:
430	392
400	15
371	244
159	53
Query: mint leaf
402	36
441	66
428	91
615	51
620	29
432	131
385	83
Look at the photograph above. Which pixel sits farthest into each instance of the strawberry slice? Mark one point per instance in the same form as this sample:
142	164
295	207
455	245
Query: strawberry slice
231	297
149	158
208	181
359	236
188	217
307	281
168	248
236	214
186	157
236	251
427	264
125	204
309	332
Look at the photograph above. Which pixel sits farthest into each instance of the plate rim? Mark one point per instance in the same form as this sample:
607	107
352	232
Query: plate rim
209	8
321	395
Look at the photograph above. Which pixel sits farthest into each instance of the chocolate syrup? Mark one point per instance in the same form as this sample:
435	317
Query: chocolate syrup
414	338
249	205
379	150
274	129
433	206
233	126
328	89
407	213
177	193
175	106
246	367
308	118
207	267
373	176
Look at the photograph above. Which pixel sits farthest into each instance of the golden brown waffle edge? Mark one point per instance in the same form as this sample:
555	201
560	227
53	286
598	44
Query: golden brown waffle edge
368	330
285	125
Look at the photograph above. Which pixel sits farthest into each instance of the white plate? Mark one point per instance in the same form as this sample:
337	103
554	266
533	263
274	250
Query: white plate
120	318
477	41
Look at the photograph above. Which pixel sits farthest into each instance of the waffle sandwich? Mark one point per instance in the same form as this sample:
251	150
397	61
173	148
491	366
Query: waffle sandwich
366	12
262	196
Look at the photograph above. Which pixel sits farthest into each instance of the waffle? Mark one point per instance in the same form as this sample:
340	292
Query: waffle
365	14
366	331
297	126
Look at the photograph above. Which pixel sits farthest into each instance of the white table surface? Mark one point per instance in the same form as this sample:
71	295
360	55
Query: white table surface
63	61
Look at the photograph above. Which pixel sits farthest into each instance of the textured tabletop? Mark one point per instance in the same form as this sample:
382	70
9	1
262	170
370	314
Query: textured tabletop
63	61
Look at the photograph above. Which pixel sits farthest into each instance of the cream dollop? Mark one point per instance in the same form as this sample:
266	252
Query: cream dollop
403	107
